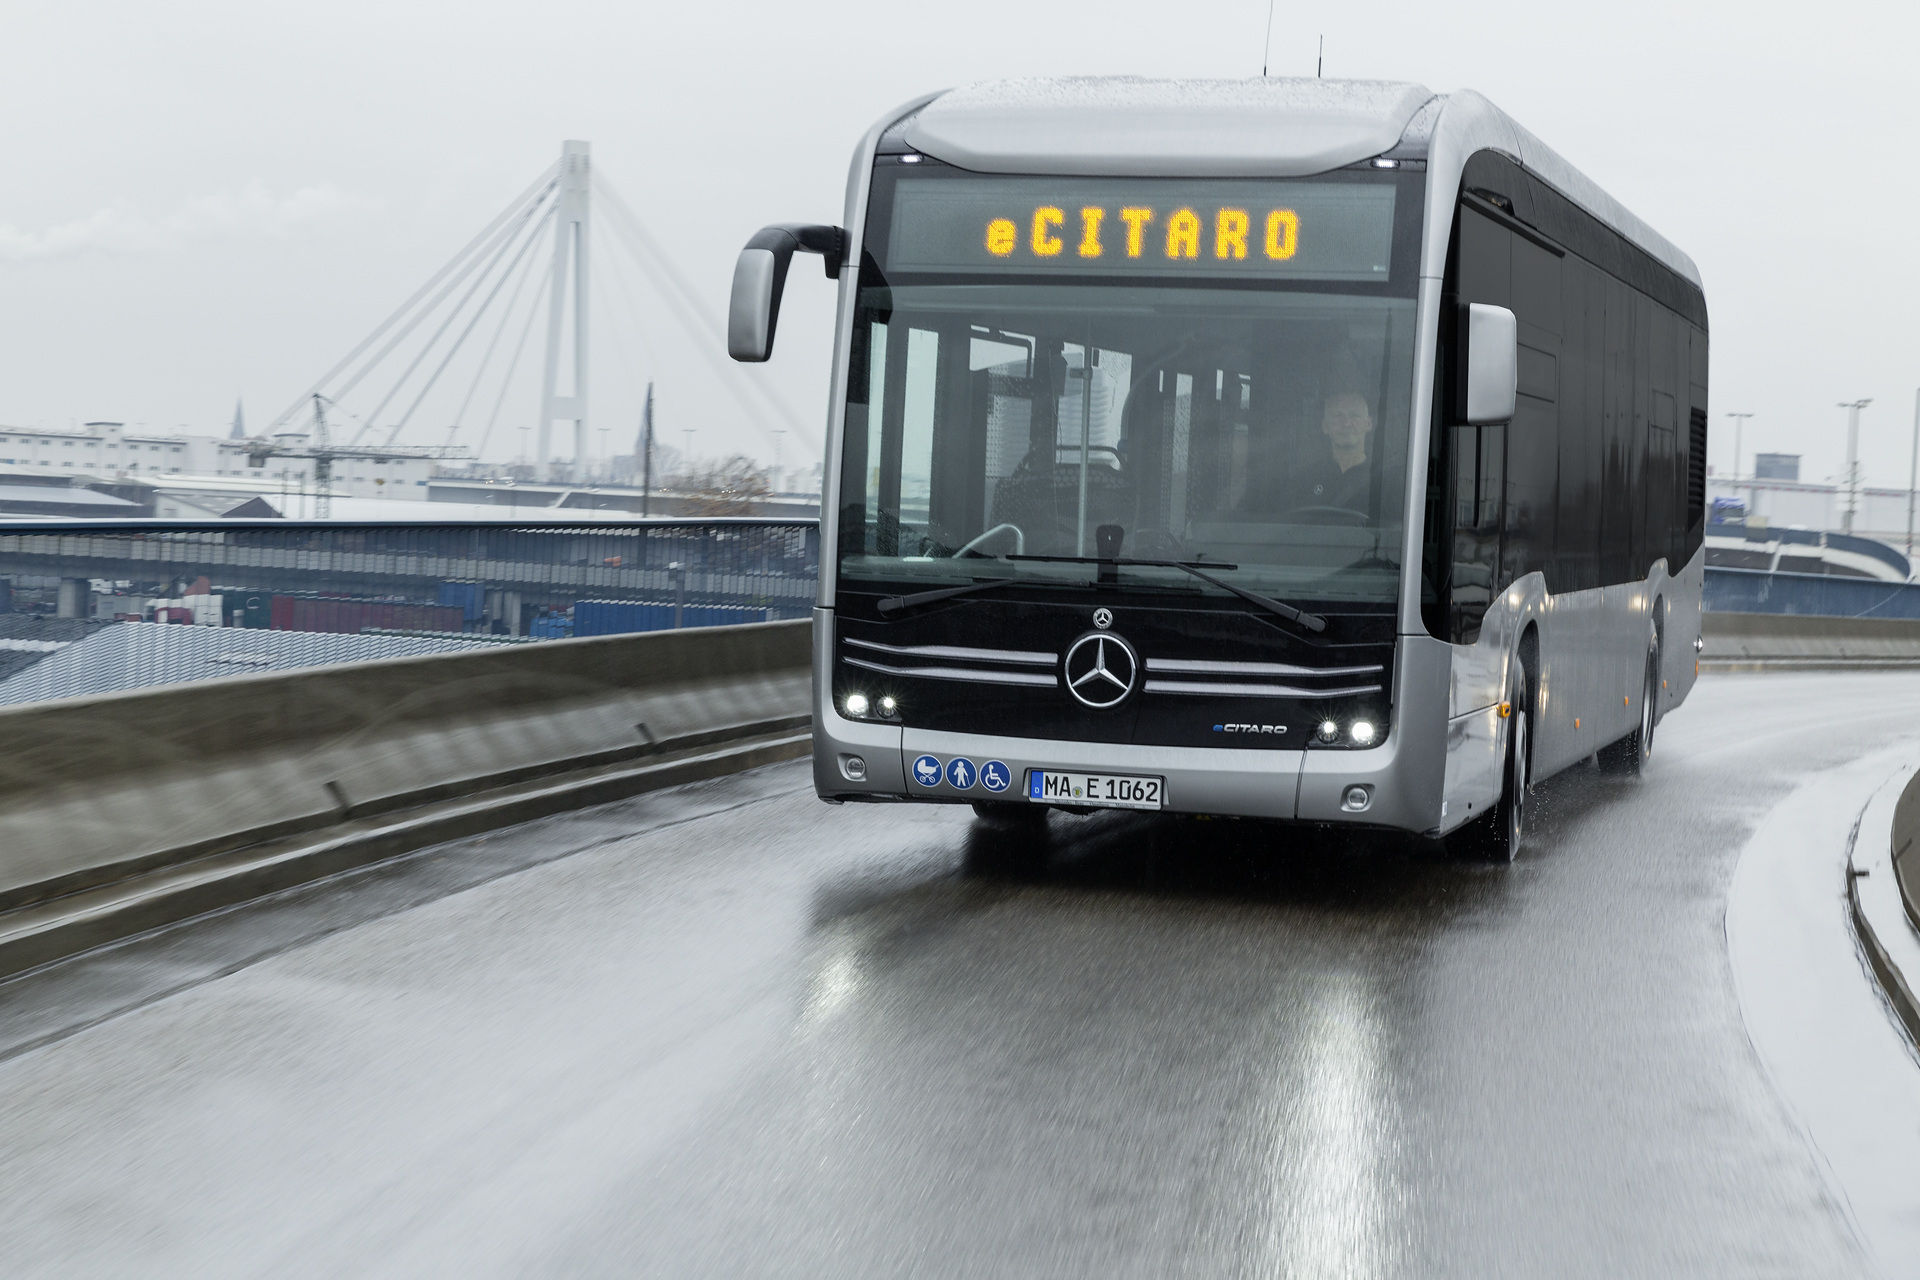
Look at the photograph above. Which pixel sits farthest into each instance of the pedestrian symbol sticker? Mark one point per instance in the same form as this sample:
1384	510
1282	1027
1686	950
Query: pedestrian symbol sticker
926	771
960	773
995	776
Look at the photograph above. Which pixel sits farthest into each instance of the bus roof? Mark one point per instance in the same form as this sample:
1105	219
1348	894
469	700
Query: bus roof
1268	127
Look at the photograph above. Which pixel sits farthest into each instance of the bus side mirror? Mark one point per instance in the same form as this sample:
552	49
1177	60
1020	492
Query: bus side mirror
1493	364
760	277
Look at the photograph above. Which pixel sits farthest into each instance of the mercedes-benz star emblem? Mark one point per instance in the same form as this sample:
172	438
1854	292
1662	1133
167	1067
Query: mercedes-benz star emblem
1103	618
1100	669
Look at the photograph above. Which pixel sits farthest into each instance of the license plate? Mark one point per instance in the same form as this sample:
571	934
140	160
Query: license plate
1106	790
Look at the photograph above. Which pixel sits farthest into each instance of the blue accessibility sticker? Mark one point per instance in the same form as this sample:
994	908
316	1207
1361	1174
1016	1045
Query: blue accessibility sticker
960	773
926	771
1034	780
995	777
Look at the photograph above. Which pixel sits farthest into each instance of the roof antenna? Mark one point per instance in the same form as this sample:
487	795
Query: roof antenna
1320	63
1266	50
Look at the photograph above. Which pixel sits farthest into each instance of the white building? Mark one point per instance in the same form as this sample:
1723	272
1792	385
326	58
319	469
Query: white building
106	450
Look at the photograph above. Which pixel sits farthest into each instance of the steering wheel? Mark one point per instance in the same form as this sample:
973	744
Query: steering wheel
1326	515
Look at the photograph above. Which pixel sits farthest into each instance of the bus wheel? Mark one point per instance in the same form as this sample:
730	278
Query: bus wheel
1629	755
1497	837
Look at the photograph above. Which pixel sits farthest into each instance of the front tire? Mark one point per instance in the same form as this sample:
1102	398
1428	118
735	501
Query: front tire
1629	756
1498	836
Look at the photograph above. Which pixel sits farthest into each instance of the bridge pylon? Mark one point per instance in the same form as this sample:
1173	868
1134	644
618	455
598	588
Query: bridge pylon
569	283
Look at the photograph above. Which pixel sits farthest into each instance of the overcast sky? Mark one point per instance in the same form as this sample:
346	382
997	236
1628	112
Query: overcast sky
203	199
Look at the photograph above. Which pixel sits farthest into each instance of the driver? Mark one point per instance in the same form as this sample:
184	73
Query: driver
1338	476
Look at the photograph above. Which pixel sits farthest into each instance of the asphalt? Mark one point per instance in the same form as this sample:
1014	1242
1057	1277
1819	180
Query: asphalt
730	1031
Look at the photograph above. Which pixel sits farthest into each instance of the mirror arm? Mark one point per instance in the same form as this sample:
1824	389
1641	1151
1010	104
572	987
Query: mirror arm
784	239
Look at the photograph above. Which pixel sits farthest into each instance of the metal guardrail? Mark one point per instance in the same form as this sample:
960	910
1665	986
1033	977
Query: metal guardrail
98	606
1810	594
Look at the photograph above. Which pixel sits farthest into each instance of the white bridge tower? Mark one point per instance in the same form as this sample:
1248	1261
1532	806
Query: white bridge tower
569	268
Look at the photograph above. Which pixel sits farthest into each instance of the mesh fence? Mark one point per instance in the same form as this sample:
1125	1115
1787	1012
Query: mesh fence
90	607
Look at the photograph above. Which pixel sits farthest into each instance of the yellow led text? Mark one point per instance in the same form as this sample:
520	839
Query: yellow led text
1183	234
1185	228
1283	234
1090	232
1230	234
1045	243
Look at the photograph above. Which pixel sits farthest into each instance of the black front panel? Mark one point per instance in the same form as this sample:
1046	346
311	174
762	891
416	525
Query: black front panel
1294	682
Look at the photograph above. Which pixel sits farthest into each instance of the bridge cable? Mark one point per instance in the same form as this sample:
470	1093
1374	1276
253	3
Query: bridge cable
533	313
545	180
691	306
486	358
479	311
505	239
641	246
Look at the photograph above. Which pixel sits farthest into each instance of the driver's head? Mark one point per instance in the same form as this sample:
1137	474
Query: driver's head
1347	421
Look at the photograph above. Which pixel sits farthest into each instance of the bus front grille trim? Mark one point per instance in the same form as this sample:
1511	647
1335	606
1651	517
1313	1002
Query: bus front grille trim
1223	689
1027	678
957	654
1201	667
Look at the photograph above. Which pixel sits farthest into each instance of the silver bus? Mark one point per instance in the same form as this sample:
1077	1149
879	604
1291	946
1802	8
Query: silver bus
1329	452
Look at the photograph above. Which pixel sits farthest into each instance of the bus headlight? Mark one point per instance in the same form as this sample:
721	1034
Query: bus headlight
1329	731
1362	731
888	706
856	704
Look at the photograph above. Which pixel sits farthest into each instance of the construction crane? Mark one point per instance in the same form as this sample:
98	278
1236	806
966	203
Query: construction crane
321	450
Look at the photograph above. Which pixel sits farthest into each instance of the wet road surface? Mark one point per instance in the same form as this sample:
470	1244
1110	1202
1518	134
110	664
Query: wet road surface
730	1031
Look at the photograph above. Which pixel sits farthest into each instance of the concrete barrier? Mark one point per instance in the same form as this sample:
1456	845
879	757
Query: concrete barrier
1772	641
1883	889
95	790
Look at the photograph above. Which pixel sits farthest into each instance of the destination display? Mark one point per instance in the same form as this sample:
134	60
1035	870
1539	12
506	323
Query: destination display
1331	231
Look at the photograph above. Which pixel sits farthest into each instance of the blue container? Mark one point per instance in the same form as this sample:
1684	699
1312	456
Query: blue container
468	597
620	617
551	626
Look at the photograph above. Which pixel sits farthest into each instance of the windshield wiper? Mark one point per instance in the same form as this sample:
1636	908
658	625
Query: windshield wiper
893	604
1311	621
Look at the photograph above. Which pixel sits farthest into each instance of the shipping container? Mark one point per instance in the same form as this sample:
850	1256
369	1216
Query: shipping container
468	597
618	617
350	617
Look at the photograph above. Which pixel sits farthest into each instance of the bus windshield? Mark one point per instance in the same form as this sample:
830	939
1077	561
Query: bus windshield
1196	411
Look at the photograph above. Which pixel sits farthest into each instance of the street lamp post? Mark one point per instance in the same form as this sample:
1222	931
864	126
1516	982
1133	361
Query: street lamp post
1853	408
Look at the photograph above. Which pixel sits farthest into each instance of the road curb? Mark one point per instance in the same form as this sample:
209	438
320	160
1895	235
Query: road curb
1877	903
52	930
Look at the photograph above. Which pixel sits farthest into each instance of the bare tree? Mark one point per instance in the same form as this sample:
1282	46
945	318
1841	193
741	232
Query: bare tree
734	487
